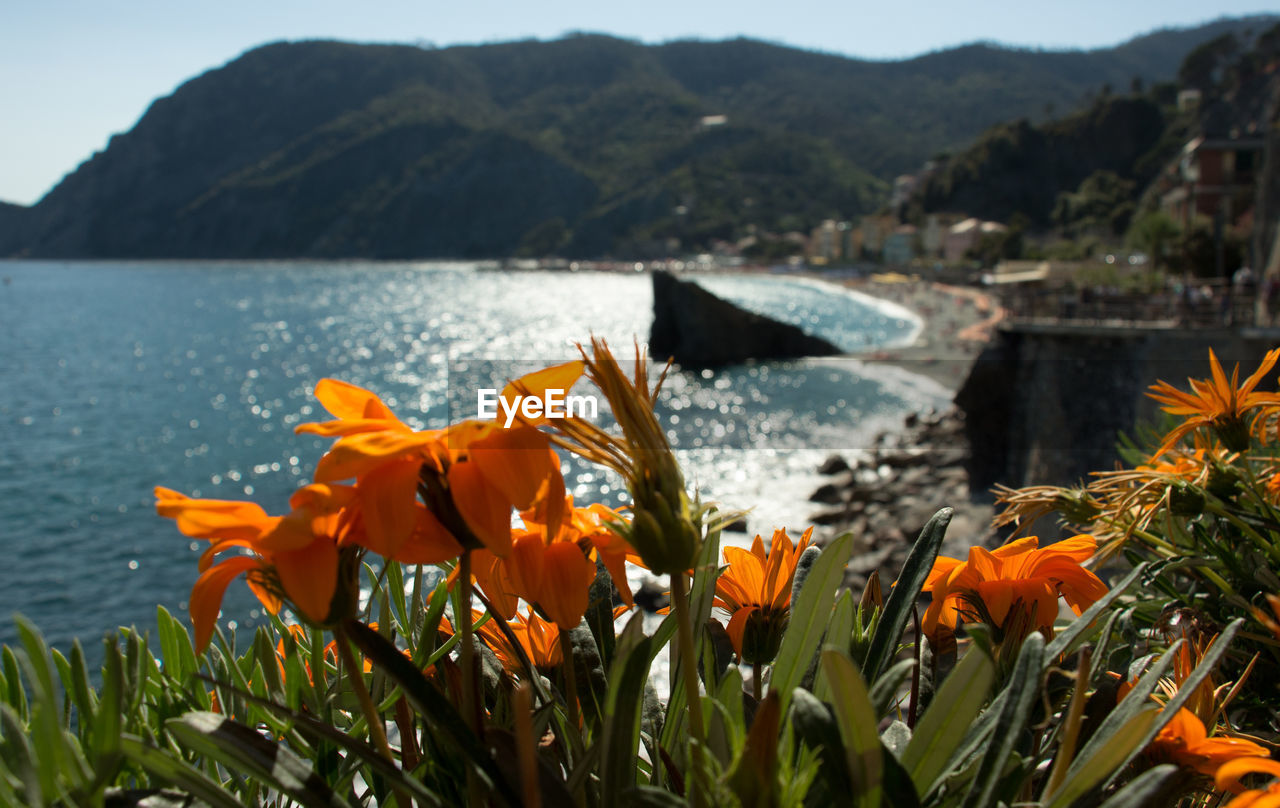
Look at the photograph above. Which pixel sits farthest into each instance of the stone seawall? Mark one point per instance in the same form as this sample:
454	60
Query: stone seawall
1045	404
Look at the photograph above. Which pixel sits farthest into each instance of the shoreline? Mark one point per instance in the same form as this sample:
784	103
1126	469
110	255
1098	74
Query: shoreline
921	463
957	323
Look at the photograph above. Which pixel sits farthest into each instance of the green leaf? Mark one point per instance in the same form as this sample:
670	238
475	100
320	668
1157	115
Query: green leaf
942	727
810	612
242	749
45	725
108	723
1146	789
1208	662
620	732
727	730
701	596
1024	686
22	754
650	797
437	711
356	747
899	791
857	721
15	694
885	690
599	614
1066	641
897	609
840	626
164	766
1107	759
396	596
589	669
1134	702
753	778
86	701
816	724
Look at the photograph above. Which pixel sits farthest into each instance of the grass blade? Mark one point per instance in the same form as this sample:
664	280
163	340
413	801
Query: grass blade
897	609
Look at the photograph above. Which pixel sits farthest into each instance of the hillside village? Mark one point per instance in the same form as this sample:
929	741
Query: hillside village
1195	215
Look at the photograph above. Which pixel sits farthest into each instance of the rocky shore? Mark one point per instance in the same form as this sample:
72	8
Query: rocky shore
886	496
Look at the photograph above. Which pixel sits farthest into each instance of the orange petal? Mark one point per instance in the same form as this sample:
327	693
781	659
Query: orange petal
357	455
429	543
616	564
1229	773
558	377
516	461
213	518
349	402
942	567
483	507
491	574
206	595
389	505
738	626
566	584
524	565
310	577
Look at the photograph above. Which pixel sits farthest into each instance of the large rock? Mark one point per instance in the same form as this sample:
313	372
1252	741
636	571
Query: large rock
698	329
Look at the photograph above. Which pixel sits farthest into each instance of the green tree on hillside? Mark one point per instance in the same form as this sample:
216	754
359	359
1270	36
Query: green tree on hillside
1154	234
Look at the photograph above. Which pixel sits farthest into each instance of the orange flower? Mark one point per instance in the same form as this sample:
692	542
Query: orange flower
556	575
471	474
596	527
1185	742
1219	404
295	556
1227	778
989	585
756	591
540	640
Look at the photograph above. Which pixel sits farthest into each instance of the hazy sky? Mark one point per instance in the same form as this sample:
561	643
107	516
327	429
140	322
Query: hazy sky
74	72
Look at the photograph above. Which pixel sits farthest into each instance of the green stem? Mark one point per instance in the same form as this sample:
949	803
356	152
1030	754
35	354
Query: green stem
689	670
356	677
1218	509
572	710
372	718
1070	728
757	689
570	681
467	660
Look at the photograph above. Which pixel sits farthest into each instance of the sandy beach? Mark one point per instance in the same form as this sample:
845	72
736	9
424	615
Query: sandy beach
957	323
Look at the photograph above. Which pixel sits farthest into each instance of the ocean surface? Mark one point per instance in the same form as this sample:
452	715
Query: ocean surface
117	377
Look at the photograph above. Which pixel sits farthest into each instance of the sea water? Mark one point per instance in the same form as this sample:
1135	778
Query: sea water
116	377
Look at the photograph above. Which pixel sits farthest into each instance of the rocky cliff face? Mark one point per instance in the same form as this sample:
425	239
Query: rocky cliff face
698	329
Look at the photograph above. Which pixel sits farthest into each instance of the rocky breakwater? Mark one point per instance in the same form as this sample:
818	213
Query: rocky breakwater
886	496
698	329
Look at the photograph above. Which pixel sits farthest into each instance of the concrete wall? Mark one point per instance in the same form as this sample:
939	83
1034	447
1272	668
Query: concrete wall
1046	404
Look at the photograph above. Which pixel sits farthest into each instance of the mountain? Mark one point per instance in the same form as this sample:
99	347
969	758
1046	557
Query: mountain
585	146
1094	168
1018	168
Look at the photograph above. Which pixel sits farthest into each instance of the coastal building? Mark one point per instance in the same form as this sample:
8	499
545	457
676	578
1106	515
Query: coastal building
934	234
964	236
900	245
831	242
1213	177
872	236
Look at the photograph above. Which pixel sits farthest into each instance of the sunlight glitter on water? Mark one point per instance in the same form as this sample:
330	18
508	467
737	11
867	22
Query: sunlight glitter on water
116	377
